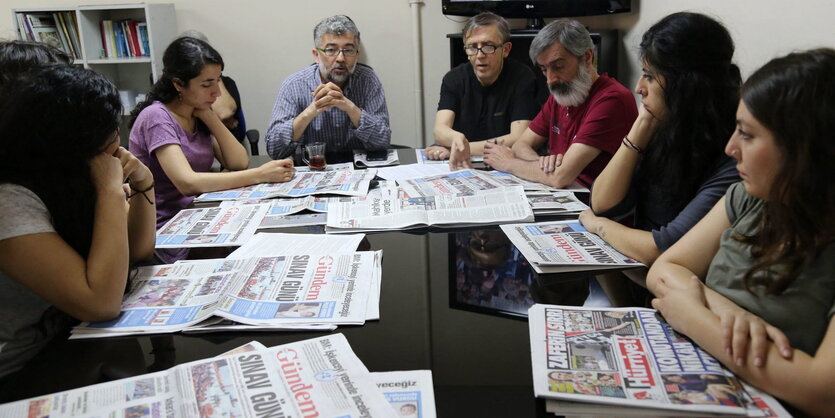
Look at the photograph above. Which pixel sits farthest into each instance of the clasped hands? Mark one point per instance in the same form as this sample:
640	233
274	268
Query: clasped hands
110	169
329	95
743	333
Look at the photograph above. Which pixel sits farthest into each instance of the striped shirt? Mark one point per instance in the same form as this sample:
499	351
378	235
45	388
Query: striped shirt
333	126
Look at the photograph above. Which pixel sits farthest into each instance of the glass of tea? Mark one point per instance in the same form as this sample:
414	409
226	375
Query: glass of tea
315	156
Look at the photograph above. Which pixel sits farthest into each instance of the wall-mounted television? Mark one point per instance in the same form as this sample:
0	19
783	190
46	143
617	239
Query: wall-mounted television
535	10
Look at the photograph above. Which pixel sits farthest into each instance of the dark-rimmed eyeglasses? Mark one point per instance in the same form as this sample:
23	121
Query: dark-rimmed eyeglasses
486	49
332	52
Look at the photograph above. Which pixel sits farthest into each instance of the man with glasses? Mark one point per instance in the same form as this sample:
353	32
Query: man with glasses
490	97
336	100
582	123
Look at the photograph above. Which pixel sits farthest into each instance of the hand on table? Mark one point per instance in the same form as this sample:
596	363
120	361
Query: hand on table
436	152
498	156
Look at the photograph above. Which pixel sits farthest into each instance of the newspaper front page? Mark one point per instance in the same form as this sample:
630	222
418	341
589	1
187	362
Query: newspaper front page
456	183
388	208
410	393
316	377
563	246
211	227
287	292
626	356
304	183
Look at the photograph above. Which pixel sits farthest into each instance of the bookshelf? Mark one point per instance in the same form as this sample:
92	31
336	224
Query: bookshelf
132	74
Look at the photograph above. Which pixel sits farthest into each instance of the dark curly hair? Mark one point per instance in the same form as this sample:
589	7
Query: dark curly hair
693	53
52	122
183	60
794	98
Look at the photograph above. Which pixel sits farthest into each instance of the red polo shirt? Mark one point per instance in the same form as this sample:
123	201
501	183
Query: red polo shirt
601	122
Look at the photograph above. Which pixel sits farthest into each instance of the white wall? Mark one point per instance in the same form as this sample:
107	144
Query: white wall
264	41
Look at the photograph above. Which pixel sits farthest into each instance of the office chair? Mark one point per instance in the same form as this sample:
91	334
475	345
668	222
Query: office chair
252	137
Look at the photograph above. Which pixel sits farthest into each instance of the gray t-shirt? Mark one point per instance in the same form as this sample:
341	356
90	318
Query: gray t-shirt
27	322
804	309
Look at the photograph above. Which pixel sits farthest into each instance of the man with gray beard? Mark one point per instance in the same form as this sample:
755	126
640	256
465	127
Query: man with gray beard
583	121
336	100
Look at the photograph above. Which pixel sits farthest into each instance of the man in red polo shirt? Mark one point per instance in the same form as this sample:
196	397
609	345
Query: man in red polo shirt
583	121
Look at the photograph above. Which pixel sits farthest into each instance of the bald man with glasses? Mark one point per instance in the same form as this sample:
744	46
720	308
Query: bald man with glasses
336	100
490	97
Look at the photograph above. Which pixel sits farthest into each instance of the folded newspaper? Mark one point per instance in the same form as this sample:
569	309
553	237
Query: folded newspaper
316	377
555	203
410	392
564	246
211	227
284	292
420	155
628	357
304	183
390	207
361	159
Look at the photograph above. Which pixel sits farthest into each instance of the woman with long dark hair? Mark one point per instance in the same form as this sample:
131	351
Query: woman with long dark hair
670	169
766	251
178	136
70	225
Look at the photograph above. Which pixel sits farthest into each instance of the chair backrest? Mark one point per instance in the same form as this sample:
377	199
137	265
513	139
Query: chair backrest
252	137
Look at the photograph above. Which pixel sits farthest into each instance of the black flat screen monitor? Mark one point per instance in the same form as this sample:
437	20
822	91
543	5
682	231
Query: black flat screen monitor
536	9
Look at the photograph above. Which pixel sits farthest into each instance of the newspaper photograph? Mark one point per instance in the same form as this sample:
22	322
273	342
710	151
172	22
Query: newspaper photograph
304	183
316	377
562	246
420	154
410	393
626	356
211	227
456	183
511	180
388	208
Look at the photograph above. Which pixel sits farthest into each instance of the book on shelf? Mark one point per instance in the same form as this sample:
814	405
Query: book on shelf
611	360
43	27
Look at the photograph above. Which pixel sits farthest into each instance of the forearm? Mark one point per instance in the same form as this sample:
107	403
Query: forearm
802	380
301	122
529	170
373	131
232	154
525	152
612	185
107	261
142	223
445	135
633	243
196	183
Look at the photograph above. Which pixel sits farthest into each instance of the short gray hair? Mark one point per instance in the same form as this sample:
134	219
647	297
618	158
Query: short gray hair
487	19
335	25
571	34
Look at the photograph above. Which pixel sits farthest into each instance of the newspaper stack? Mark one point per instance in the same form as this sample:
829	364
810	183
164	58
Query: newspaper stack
211	227
279	292
316	377
585	358
461	198
304	183
565	246
562	204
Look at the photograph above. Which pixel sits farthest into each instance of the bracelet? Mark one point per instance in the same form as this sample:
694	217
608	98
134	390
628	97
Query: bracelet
629	144
142	192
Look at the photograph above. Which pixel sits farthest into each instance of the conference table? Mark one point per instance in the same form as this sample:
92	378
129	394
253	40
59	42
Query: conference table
452	301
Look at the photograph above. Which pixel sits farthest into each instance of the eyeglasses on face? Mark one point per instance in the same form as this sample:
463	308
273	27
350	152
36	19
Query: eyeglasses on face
486	49
332	52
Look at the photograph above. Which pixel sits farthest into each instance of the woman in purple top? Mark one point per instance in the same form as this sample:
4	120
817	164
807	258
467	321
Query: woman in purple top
177	135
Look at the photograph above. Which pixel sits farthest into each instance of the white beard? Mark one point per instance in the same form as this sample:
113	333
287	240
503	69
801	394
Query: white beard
574	92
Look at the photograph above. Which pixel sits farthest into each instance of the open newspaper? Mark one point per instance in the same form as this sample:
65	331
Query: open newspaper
564	246
211	227
316	377
304	183
510	180
283	292
410	392
420	154
627	357
390	207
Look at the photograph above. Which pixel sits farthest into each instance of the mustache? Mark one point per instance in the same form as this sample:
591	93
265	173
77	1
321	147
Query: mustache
560	88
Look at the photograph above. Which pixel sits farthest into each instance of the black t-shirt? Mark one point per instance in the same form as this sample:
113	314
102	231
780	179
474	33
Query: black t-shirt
486	112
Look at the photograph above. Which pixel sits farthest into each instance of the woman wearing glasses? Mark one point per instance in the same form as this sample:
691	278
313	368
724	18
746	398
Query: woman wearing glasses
671	168
766	251
178	136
